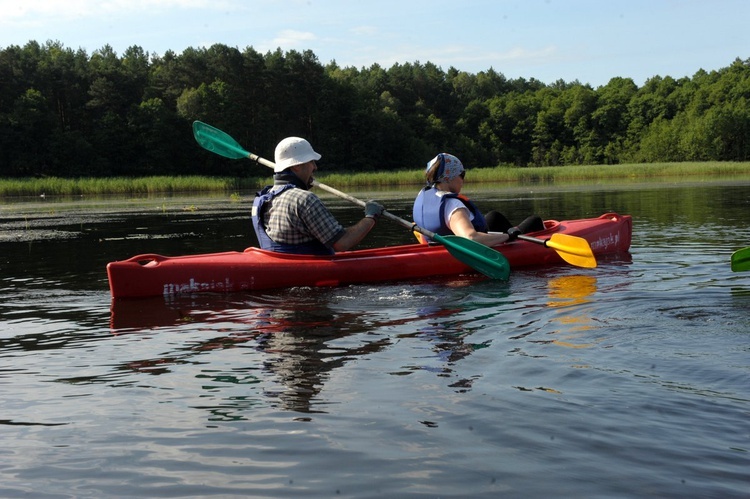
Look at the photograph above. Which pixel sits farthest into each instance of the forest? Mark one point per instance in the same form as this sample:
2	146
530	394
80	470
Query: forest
67	113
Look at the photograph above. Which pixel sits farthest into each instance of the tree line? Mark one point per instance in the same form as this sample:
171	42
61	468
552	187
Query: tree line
66	113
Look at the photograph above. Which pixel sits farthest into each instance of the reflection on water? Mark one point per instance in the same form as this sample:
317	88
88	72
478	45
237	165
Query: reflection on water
301	339
449	339
452	387
569	294
301	350
571	290
298	340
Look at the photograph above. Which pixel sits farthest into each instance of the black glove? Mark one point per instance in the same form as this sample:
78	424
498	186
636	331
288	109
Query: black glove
373	209
513	233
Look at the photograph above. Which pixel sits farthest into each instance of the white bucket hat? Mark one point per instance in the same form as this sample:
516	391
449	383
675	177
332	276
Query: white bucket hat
293	151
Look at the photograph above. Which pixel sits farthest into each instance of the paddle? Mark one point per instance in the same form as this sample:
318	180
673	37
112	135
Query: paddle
741	260
482	258
573	249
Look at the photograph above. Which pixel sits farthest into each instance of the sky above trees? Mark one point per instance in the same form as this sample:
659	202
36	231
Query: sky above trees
590	41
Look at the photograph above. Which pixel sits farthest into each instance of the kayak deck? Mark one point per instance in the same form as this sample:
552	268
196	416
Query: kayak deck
257	269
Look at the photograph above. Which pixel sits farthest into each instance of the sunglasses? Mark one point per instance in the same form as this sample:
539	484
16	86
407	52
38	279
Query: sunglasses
462	174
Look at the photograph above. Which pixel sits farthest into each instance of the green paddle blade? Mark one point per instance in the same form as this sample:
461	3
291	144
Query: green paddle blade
486	260
741	260
216	141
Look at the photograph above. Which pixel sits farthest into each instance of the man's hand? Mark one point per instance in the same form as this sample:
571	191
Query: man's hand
373	209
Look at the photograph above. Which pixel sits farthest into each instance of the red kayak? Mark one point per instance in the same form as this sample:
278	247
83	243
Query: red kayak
256	269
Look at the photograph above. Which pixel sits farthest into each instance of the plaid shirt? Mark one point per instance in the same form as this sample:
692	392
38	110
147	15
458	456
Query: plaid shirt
298	216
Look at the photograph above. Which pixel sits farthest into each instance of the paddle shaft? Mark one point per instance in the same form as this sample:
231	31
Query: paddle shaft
351	199
573	250
579	253
486	260
547	243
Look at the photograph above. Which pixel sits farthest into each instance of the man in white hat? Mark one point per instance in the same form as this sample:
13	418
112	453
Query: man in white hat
288	218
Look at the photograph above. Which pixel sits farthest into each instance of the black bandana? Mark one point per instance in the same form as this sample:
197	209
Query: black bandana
288	177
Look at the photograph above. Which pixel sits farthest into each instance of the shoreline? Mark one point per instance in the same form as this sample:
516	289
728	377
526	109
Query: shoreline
557	175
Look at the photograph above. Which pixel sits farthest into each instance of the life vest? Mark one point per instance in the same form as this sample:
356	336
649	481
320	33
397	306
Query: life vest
429	214
313	247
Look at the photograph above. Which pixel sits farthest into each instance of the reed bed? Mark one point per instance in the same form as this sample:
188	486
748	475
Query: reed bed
54	186
502	174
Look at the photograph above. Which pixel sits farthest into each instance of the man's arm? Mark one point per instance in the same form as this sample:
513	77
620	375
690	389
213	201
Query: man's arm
354	234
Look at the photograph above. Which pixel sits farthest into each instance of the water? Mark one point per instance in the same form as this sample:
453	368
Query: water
631	379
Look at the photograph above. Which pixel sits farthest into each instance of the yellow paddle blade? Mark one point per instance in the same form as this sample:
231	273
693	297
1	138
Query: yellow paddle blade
574	250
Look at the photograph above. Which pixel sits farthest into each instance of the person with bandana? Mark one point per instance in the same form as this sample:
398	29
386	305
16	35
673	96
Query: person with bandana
288	218
441	208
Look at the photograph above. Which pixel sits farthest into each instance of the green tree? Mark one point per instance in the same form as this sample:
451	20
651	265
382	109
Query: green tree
610	120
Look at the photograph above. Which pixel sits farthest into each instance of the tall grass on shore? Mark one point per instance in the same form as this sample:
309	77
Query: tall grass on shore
545	174
56	186
53	186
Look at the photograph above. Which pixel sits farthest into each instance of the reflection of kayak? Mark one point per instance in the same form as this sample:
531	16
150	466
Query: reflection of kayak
262	313
256	269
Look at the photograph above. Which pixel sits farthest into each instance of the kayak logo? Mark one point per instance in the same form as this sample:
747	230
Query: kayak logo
604	242
193	287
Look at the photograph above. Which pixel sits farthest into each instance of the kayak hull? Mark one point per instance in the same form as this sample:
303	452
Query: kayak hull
256	269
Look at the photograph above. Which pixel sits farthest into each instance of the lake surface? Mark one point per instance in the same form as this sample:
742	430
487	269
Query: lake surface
631	379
